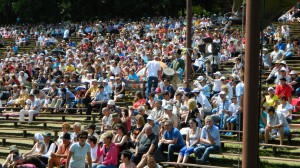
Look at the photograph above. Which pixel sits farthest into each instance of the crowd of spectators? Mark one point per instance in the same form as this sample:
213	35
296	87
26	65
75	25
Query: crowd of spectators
169	113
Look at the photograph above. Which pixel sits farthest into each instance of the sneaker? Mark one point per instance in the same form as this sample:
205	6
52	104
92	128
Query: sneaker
229	134
226	134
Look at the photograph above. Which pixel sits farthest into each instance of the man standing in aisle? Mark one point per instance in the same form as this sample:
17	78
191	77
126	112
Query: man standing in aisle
153	70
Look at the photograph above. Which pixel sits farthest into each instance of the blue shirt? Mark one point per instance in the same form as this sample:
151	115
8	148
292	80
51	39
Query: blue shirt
261	122
79	155
175	133
206	90
101	96
214	132
133	77
71	95
281	46
239	91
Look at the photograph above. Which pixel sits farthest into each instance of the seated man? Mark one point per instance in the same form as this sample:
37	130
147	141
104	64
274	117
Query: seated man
209	141
171	140
276	124
56	159
32	107
146	145
98	102
51	147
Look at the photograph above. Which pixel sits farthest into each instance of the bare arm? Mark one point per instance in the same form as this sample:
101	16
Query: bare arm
68	158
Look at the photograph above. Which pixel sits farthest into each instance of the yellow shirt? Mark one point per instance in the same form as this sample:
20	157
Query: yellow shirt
70	68
270	100
93	90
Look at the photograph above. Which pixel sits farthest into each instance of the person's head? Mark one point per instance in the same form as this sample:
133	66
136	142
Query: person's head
275	48
168	124
282	81
92	140
167	82
178	95
234	100
166	95
271	111
139	95
141	110
107	138
148	130
193	123
91	128
140	120
126	156
192	103
222	95
168	109
110	104
121	130
65	127
208	121
125	113
100	88
63	90
105	111
31	97
158	103
38	137
82	136
282	99
293	74
271	91
66	138
150	120
47	137
151	163
76	127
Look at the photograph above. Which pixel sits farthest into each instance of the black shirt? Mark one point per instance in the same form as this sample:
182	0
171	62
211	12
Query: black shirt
145	142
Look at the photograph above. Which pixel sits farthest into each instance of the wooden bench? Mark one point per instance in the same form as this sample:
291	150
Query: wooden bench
189	165
14	138
17	121
273	146
63	116
25	131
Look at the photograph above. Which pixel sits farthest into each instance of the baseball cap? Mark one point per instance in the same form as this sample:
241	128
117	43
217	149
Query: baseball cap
47	134
66	136
218	73
150	117
168	107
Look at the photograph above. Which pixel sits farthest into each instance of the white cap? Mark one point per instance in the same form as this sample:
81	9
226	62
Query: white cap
112	77
150	117
293	72
283	62
218	73
180	89
283	69
270	88
168	107
200	78
222	92
111	102
223	78
105	80
196	90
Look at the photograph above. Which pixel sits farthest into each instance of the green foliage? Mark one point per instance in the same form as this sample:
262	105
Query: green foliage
78	10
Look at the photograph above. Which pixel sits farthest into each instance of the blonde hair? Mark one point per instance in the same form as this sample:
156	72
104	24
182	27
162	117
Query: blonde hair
192	103
66	125
141	119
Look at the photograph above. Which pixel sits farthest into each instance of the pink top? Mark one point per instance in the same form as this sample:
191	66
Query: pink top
111	156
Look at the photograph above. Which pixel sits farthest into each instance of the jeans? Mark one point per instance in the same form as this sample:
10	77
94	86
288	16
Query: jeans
202	152
298	92
171	148
152	80
106	166
231	119
186	152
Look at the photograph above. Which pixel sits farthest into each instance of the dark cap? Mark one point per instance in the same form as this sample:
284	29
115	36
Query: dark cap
13	148
66	136
100	86
47	134
283	79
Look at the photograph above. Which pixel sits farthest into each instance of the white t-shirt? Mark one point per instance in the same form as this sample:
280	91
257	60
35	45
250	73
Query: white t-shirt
94	152
233	108
284	110
66	34
217	85
153	68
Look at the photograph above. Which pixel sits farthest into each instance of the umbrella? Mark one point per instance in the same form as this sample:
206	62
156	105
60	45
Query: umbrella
58	51
162	64
141	72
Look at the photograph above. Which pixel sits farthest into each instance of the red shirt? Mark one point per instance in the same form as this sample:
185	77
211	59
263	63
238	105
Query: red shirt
285	90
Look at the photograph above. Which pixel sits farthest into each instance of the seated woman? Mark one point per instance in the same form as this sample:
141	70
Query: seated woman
91	131
133	79
138	100
52	93
109	152
39	147
121	138
119	89
13	157
192	139
65	128
14	94
285	108
126	160
23	96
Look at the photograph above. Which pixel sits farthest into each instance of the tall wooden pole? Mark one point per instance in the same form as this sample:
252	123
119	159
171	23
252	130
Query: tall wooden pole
188	66
251	76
